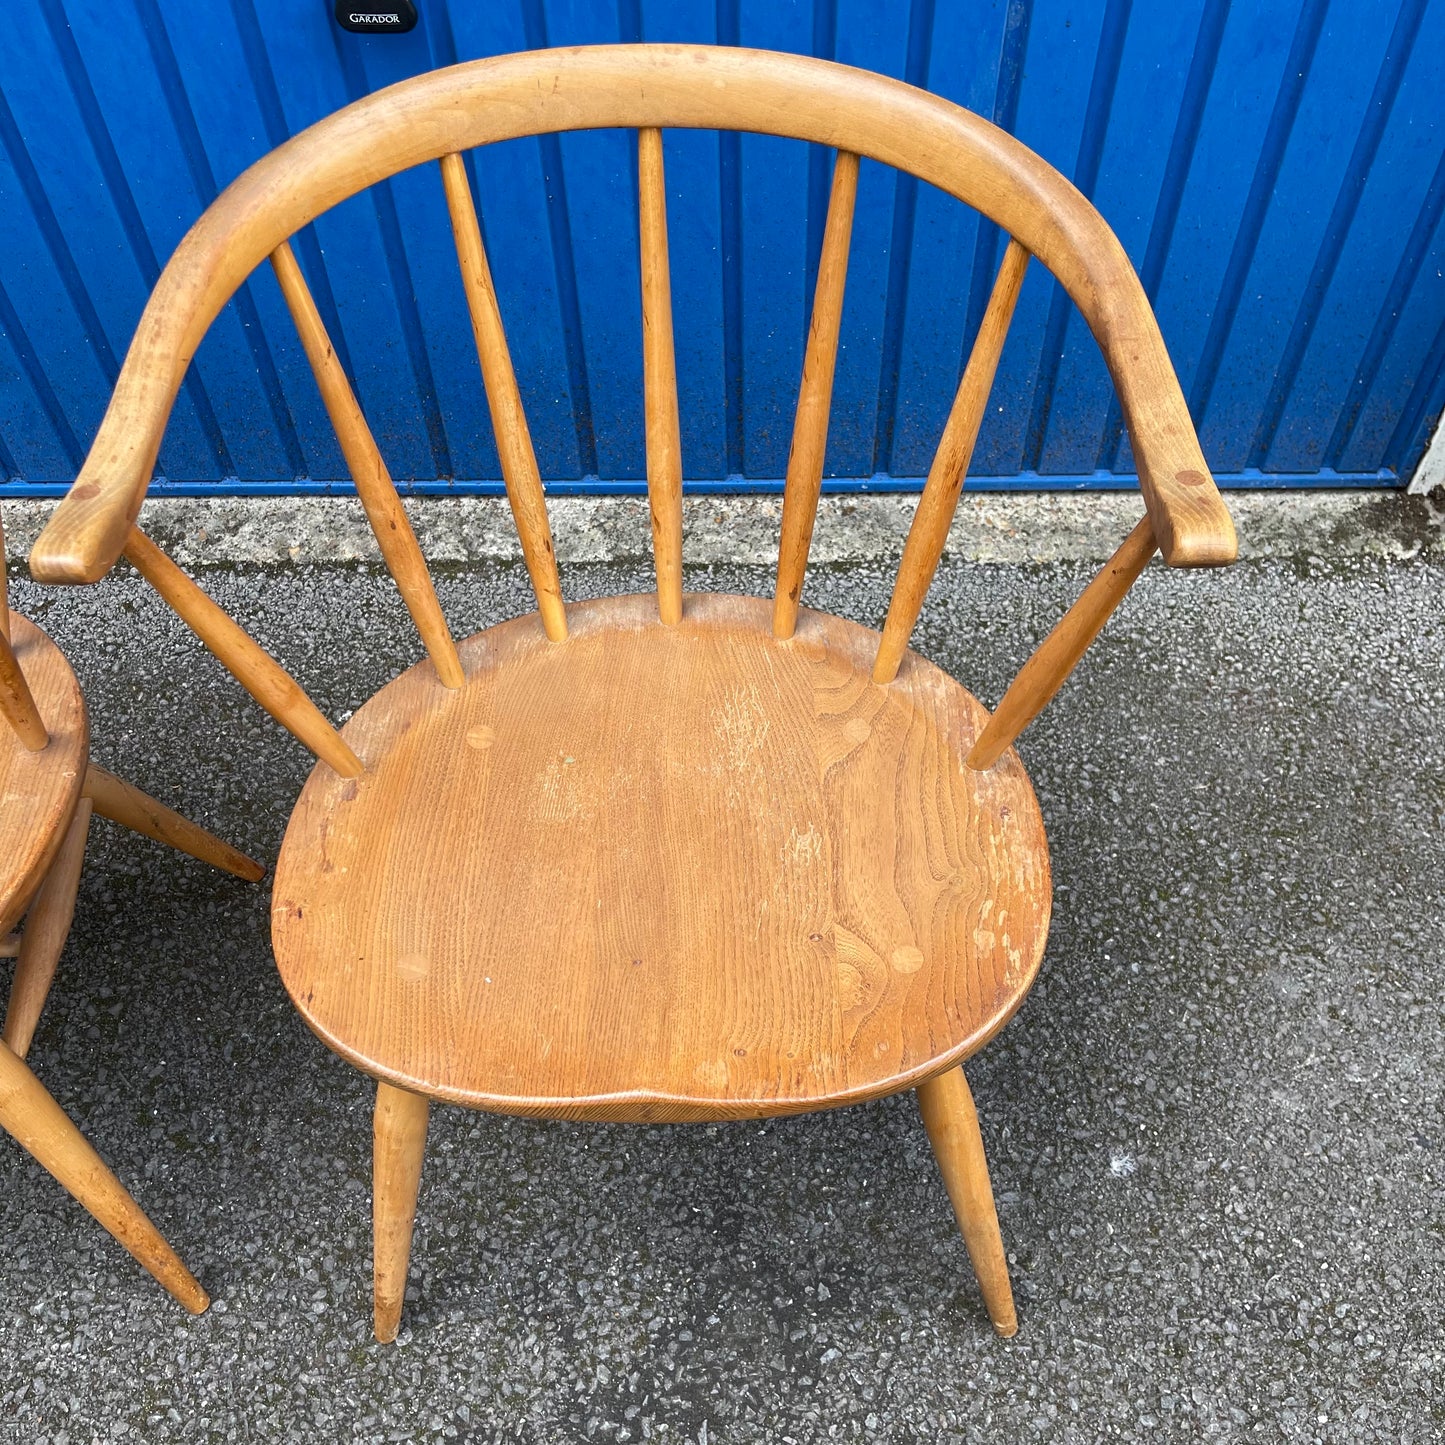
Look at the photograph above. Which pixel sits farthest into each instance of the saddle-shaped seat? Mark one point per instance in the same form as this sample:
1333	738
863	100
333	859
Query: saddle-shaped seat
663	872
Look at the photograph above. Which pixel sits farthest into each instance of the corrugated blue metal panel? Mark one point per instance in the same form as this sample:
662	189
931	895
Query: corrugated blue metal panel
1276	170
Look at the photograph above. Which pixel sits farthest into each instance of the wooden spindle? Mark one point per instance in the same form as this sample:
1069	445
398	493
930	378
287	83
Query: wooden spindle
504	400
929	532
659	370
249	663
9	945
815	399
394	534
1054	658
17	703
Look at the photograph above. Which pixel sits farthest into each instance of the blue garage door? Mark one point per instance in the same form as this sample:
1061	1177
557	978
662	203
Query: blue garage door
1276	169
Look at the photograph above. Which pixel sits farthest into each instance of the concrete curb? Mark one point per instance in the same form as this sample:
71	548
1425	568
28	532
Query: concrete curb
1016	528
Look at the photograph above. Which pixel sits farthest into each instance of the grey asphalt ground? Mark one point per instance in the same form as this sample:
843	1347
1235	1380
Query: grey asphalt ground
1215	1127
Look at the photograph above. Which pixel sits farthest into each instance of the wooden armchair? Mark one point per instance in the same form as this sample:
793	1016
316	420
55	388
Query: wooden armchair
668	857
49	790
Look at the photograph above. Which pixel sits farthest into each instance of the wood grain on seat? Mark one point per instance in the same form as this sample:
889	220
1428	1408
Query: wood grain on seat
663	872
39	790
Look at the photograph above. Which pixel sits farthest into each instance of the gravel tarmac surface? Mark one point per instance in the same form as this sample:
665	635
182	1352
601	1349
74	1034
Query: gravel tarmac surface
1215	1127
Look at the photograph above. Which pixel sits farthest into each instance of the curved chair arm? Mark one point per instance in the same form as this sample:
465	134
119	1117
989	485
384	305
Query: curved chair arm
639	86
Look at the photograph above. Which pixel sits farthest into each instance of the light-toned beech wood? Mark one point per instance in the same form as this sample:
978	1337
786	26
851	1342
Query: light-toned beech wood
815	398
659	369
929	532
17	703
374	485
39	791
504	401
47	926
640	86
399	1142
653	869
1055	657
249	663
9	945
952	1124
773	888
125	804
39	1125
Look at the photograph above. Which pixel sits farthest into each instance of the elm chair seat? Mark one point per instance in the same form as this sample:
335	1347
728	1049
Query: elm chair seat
663	872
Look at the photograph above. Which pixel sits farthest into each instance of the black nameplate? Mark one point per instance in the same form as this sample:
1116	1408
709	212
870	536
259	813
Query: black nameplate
376	17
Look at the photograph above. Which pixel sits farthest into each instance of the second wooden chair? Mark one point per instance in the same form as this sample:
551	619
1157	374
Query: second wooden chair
50	790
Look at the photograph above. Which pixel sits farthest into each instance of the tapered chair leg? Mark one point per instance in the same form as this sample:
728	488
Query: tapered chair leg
47	926
399	1140
952	1125
125	804
40	1126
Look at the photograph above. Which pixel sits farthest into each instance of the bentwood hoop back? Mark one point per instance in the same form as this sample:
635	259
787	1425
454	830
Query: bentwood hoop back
668	857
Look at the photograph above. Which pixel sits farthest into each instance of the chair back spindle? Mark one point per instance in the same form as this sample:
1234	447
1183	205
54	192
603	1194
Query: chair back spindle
438	117
374	485
815	398
946	474
17	702
659	369
504	400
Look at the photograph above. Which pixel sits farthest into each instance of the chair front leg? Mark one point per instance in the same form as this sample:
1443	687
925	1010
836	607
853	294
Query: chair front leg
399	1141
46	929
41	1127
952	1124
